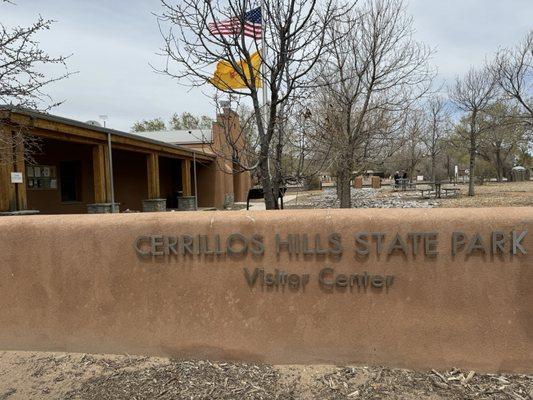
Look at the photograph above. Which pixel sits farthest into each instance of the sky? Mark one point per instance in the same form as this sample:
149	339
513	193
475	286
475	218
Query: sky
113	43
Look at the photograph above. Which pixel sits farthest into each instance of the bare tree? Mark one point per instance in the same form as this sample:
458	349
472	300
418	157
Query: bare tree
473	94
22	80
437	128
415	129
247	153
513	70
502	135
369	78
236	142
295	158
307	156
294	38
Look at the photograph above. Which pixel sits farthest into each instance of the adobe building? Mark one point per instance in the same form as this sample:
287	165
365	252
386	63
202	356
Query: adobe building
71	171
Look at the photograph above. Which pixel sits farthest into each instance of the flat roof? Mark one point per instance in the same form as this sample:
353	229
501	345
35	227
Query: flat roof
72	122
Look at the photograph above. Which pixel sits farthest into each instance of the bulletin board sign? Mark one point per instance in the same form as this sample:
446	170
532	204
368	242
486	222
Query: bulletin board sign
41	177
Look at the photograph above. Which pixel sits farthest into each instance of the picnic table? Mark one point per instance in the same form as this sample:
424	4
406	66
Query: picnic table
437	189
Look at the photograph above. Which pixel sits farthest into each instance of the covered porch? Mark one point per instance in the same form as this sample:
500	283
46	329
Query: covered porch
71	172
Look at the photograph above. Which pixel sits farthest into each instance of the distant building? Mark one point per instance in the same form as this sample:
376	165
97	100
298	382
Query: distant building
151	170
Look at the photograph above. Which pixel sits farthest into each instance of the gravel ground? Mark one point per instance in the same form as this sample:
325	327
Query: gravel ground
362	198
31	375
508	194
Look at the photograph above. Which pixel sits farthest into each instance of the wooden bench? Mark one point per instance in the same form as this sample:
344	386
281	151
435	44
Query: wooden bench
258	193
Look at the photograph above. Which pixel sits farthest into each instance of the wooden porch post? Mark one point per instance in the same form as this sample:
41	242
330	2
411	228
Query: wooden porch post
100	172
152	162
186	177
8	196
107	165
6	165
20	164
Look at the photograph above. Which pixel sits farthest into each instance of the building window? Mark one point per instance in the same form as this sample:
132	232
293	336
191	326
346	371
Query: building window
70	179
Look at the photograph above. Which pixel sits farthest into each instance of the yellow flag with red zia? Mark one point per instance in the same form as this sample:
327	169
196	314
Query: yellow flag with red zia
226	77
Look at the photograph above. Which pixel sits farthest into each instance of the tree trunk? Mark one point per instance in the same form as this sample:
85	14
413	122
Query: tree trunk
433	167
276	184
270	200
266	182
499	167
344	191
278	176
471	190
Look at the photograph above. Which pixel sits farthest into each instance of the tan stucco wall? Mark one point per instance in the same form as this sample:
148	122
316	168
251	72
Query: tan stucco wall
206	189
213	184
75	283
242	182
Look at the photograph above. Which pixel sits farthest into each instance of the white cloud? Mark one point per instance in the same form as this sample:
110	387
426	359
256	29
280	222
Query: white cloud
466	32
113	43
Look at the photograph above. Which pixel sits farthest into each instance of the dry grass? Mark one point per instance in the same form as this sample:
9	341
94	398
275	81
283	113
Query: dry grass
507	194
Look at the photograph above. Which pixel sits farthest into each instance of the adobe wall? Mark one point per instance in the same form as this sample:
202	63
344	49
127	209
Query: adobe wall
242	182
104	283
213	184
206	175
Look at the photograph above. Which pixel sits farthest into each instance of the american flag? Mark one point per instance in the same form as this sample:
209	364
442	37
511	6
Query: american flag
234	26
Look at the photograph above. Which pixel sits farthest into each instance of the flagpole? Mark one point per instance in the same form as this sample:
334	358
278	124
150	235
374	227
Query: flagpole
264	71
264	50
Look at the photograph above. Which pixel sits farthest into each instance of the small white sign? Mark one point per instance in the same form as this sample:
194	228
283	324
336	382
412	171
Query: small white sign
16	177
420	178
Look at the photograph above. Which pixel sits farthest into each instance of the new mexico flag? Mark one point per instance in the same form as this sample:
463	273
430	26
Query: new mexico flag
226	77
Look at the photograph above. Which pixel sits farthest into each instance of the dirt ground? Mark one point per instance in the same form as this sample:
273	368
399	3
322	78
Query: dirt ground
32	375
507	194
